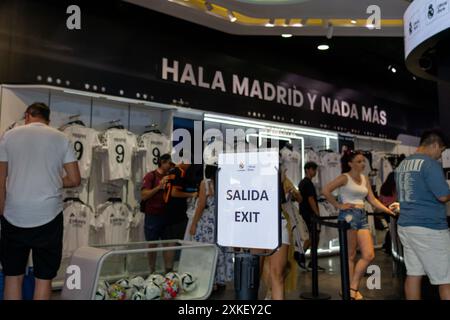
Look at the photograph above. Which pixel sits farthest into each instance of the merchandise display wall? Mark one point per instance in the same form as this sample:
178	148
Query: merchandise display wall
99	114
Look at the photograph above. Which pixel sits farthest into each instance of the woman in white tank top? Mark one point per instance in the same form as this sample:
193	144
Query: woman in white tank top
354	190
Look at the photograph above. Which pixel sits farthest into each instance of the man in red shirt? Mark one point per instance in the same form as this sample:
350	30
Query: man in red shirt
156	221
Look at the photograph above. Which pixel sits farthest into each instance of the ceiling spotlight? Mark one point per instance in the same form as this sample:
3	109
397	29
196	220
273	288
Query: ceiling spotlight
370	26
271	23
231	16
208	6
353	21
392	69
286	35
323	47
414	78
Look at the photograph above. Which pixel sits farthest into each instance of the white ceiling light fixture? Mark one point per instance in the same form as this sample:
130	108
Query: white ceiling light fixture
370	26
231	16
323	47
286	35
353	21
392	68
271	23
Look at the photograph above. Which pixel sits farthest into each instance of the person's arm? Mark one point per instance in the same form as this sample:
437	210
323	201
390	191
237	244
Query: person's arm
147	193
72	178
313	204
181	194
444	199
3	176
201	204
435	180
330	187
375	202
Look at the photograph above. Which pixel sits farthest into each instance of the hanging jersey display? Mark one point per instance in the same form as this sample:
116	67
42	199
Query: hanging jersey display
120	145
290	161
84	141
137	226
330	167
78	219
115	218
311	156
155	145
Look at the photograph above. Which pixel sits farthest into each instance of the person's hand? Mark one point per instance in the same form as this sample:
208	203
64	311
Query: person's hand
193	229
163	182
346	206
194	194
395	207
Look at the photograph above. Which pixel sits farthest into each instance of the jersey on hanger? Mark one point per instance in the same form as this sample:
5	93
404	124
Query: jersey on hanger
84	140
290	161
78	218
330	167
120	145
115	218
137	226
156	145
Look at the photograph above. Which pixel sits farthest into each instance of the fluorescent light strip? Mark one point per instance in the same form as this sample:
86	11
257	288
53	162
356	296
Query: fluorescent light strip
245	122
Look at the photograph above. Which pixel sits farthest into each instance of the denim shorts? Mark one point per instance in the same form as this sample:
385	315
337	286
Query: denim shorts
357	218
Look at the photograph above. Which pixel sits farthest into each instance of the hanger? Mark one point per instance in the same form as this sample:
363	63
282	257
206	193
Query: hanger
74	199
81	123
114	200
115	124
154	129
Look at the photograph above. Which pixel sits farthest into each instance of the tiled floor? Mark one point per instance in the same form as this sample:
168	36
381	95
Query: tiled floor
330	282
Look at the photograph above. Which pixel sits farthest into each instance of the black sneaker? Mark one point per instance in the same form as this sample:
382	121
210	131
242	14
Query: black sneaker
301	260
319	268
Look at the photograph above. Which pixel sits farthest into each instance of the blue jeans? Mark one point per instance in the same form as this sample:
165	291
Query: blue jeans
357	218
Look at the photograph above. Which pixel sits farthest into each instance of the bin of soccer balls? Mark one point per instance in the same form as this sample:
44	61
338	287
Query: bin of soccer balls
191	276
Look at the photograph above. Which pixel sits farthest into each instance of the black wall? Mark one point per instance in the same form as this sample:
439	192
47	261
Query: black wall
120	47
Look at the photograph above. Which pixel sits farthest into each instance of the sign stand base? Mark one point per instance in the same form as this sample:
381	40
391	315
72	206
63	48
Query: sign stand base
246	276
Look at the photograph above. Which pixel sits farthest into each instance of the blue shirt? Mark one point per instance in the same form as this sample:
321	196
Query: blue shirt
420	182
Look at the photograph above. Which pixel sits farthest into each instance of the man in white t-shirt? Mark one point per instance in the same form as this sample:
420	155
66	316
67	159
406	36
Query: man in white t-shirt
33	159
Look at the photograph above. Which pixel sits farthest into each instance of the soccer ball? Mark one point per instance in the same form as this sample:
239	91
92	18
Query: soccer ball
117	292
152	291
188	282
124	283
157	279
101	294
103	284
138	296
175	277
137	282
170	289
130	292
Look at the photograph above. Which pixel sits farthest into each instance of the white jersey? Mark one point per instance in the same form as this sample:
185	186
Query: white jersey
115	218
120	145
156	145
137	226
84	140
290	161
78	218
330	167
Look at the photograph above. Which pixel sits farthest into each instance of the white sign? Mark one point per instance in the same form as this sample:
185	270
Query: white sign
248	213
424	19
446	159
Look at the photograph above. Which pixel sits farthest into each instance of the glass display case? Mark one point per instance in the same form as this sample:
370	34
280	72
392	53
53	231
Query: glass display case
123	272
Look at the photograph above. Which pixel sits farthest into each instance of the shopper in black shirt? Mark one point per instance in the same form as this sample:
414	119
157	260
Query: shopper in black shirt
309	207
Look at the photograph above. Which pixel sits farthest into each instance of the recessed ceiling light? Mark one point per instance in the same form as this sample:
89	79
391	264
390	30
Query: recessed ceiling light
286	35
353	21
323	47
231	16
271	23
394	70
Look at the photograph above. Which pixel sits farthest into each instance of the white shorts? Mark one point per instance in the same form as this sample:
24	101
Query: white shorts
426	252
284	232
